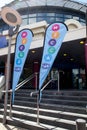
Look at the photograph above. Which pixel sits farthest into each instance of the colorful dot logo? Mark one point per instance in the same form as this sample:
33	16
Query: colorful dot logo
24	34
21	54
51	50
21	48
18	61
52	42
24	40
48	57
55	35
55	27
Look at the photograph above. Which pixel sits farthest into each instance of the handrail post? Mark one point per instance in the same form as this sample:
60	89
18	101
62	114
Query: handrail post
36	80
7	91
38	102
10	113
38	122
80	124
58	82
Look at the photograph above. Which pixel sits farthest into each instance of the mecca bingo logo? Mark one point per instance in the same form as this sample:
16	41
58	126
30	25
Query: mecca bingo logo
51	45
21	51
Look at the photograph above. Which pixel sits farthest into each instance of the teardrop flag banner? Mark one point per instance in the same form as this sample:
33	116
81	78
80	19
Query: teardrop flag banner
53	39
23	41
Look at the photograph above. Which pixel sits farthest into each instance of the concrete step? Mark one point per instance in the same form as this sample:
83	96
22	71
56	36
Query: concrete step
61	97
66	92
47	112
65	97
10	127
49	117
65	101
26	101
57	110
55	99
30	105
55	92
53	108
30	125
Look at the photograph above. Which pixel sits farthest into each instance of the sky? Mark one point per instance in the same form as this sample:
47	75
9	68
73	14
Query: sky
4	2
82	1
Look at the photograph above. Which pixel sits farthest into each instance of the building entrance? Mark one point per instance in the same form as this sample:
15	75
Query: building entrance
79	79
65	79
69	79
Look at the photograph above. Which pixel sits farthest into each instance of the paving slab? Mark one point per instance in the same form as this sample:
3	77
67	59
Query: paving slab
9	127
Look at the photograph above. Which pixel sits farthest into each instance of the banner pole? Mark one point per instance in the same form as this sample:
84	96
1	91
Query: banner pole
7	82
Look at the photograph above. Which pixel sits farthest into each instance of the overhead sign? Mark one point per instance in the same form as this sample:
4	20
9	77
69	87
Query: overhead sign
3	41
54	36
23	41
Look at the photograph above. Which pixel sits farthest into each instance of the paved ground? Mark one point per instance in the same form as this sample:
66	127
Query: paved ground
8	127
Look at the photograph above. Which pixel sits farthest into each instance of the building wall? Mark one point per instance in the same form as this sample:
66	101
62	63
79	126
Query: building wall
75	31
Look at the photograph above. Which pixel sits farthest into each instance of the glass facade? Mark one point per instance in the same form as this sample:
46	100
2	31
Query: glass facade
50	17
33	11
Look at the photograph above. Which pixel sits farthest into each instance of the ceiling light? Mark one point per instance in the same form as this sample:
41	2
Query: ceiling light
82	42
71	59
33	51
64	54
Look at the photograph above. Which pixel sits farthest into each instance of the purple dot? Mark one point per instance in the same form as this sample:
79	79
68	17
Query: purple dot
52	42
21	47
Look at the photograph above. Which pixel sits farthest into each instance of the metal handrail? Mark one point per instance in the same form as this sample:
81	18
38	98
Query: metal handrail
2	83
24	82
17	88
36	92
46	84
21	84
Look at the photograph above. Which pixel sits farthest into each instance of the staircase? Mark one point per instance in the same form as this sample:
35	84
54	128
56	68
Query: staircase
58	111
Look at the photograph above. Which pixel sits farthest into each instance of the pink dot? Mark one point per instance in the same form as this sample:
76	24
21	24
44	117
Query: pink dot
55	27
24	34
